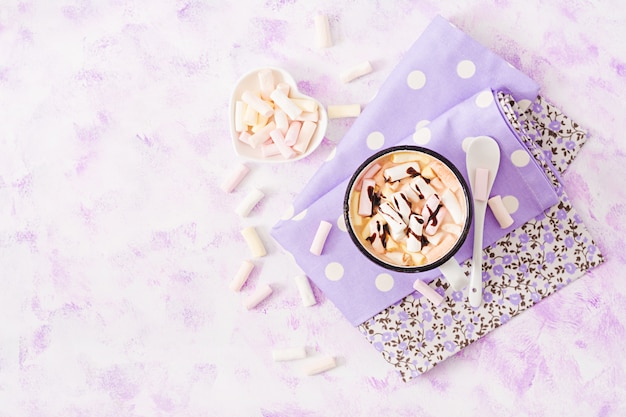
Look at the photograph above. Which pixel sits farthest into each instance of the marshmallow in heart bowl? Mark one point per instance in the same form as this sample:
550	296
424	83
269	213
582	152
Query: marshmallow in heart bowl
271	121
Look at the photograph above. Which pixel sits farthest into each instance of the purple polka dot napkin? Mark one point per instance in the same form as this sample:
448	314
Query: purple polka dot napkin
443	68
440	94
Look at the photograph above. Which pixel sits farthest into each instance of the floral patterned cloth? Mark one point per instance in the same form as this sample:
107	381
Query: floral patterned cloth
527	265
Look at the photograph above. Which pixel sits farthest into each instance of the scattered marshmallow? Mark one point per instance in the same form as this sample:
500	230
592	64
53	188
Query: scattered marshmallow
481	184
261	293
500	212
254	242
234	178
305	290
343	110
355	72
289	354
250	200
319	365
320	237
322	32
430	294
242	276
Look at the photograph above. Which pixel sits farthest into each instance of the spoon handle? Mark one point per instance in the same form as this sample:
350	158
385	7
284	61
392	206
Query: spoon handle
476	277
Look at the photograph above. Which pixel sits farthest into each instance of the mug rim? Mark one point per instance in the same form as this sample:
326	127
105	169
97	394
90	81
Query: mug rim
417	268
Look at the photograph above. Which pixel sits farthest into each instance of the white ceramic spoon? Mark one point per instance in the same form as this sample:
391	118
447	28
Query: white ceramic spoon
249	81
482	152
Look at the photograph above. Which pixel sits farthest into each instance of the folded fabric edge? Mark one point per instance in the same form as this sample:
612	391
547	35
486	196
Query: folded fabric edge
505	103
560	128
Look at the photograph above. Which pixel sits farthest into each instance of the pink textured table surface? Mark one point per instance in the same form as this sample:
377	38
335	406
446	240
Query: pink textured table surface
117	245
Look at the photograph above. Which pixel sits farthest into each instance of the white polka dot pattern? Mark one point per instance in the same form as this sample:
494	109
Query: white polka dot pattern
341	223
422	136
416	80
524	104
484	99
334	271
375	140
466	69
288	214
466	142
300	215
520	158
384	282
511	203
421	124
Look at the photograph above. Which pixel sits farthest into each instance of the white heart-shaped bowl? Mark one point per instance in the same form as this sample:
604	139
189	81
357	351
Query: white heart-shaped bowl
250	81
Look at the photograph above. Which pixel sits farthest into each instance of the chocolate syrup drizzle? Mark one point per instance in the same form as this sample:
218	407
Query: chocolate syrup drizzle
432	217
422	238
383	232
375	198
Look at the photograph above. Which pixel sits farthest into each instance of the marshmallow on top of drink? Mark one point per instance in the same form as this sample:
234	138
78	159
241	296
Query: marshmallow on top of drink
407	208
